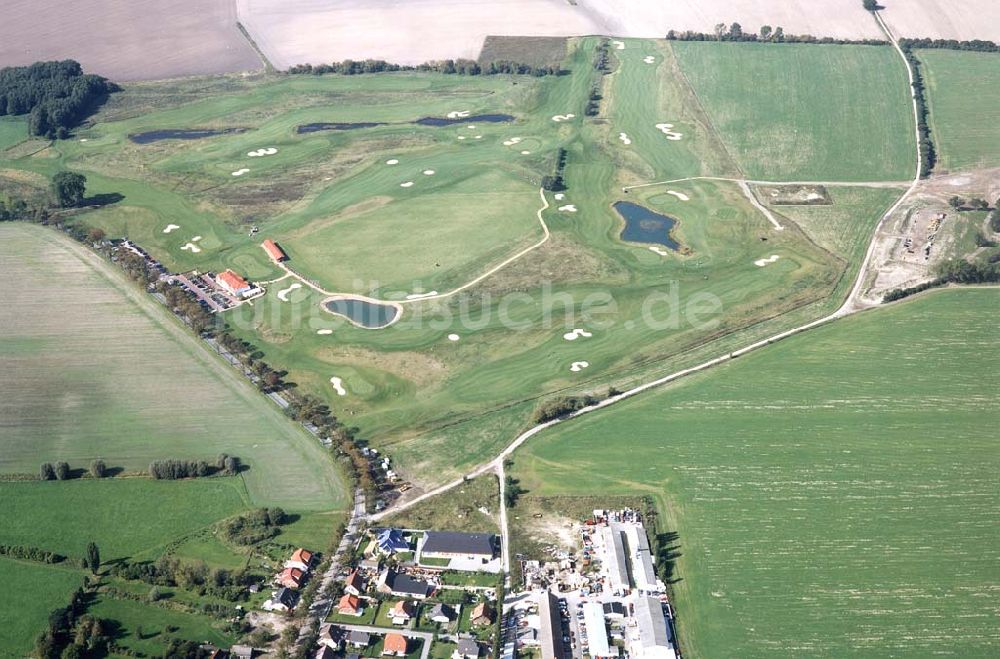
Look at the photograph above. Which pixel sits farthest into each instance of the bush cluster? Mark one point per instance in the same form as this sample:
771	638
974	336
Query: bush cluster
254	527
560	407
227	465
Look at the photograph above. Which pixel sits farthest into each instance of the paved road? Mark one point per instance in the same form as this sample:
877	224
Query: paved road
321	606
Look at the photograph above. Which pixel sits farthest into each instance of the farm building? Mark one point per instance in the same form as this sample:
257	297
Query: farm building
654	633
350	605
467	648
274	251
450	544
597	631
550	627
290	577
395	644
283	599
301	559
402	585
232	283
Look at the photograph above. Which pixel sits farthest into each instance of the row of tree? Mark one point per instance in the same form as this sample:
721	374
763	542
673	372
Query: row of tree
957	271
928	154
56	96
447	66
31	554
556	182
767	34
168	470
61	470
976	45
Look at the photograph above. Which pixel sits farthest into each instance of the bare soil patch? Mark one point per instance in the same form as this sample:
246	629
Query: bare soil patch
794	195
536	51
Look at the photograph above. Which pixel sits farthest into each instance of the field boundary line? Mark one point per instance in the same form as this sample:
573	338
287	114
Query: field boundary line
748	193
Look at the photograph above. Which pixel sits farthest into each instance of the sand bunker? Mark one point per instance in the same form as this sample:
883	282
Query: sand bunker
392	161
526	153
283	294
479	137
666	130
512	141
659	250
324	332
461	137
453	337
559	196
679	195
619	45
760	263
191	247
268	151
470	127
649	59
417	296
406	184
196	239
458	114
171	227
568	208
428	172
562	117
578	366
577	333
241	172
624	138
338	386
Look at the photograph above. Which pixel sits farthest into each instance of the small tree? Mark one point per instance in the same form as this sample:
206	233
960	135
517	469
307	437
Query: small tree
93	557
69	188
62	470
871	5
765	32
154	594
95	235
47	472
98	468
956	202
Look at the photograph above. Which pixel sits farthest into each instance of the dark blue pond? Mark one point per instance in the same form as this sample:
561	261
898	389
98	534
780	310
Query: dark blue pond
479	118
192	134
643	225
317	127
370	315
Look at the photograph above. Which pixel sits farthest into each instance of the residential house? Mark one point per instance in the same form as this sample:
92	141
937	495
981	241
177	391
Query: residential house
402	585
232	283
330	636
442	614
358	639
355	584
325	652
283	599
467	648
241	652
302	559
401	613
395	645
350	605
290	577
482	615
391	541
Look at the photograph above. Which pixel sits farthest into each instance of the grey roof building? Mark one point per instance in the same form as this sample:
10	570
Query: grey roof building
451	543
551	627
468	648
358	638
654	632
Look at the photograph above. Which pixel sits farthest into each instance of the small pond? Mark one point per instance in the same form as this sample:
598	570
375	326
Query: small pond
181	134
320	126
370	315
479	118
643	225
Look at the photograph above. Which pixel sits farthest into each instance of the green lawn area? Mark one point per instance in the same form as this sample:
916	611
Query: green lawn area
369	617
104	372
442	649
806	112
12	131
963	91
153	622
129	517
42	588
832	493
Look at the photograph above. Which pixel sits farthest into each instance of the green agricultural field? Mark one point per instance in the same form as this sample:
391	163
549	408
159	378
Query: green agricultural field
963	91
43	588
833	493
805	112
102	371
12	131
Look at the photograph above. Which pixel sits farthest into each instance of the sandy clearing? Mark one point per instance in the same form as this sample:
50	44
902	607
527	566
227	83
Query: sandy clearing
679	195
171	227
338	386
578	366
406	184
454	337
428	172
191	247
568	208
417	296
458	114
324	332
562	117
624	138
577	333
283	294
760	263
656	249
392	161
241	171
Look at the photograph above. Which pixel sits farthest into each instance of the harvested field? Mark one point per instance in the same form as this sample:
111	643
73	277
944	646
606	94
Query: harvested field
536	51
136	40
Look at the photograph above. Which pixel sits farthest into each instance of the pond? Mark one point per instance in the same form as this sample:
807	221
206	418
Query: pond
479	118
365	313
182	134
643	225
319	126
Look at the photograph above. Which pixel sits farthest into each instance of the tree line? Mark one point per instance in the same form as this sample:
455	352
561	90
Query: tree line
954	271
766	34
928	155
56	96
555	182
447	66
61	470
24	553
168	470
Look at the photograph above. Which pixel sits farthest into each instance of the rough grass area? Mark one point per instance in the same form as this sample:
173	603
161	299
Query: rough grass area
95	368
456	510
535	51
801	112
12	131
842	473
43	588
149	628
963	90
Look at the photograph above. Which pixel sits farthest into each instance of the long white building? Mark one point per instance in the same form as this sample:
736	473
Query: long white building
597	631
655	640
615	558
